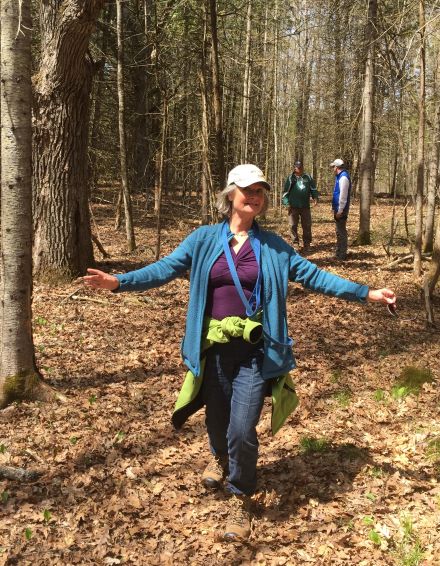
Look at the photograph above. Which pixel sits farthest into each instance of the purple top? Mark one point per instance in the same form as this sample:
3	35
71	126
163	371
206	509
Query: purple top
223	298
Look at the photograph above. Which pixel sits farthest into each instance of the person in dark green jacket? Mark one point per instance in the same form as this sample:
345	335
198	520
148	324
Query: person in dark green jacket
299	189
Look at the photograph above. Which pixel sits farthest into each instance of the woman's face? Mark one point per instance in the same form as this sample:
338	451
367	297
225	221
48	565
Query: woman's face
248	200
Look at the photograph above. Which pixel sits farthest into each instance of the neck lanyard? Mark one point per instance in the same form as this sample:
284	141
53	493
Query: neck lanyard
254	303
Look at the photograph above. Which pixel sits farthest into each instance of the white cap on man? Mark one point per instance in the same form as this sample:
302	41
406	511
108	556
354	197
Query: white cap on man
337	163
245	175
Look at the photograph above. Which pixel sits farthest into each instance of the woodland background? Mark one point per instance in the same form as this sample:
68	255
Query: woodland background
119	122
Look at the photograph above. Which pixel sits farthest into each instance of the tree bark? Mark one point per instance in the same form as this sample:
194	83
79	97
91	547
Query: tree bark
129	230
428	239
96	110
19	377
206	180
302	108
18	474
244	135
339	133
366	151
433	275
217	98
62	85
420	148
276	197
160	175
304	79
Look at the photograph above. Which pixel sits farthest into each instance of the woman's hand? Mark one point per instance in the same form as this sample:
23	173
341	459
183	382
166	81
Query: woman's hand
385	295
100	280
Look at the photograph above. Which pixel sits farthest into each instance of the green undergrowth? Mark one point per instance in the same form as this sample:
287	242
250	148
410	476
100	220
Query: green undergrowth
411	381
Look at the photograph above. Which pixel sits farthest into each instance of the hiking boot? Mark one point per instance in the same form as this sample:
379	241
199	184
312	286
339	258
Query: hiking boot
214	472
238	525
305	249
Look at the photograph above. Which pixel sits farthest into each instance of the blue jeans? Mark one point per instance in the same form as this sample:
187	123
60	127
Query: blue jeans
234	391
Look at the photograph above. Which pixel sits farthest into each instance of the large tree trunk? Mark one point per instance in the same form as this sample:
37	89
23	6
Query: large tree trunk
420	148
19	377
62	85
366	151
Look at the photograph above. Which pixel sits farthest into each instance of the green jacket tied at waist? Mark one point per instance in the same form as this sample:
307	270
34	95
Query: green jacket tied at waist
189	401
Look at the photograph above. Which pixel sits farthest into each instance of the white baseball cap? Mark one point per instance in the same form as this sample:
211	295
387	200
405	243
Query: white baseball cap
245	175
337	163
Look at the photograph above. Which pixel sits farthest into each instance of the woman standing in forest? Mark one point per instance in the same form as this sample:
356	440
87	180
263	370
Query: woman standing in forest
236	342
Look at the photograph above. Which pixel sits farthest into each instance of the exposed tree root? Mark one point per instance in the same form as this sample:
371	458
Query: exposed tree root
28	387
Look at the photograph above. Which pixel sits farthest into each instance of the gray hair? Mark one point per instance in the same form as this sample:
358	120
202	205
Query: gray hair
224	205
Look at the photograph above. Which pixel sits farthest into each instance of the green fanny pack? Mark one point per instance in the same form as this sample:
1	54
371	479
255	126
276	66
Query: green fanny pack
190	399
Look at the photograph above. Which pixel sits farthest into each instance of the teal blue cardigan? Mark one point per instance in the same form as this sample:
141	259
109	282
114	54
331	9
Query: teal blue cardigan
280	264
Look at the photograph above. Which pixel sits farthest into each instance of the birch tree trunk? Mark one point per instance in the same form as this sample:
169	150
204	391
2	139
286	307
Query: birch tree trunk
62	86
366	150
19	377
129	230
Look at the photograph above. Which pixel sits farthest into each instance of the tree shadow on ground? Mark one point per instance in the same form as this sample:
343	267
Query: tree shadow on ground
139	374
323	476
355	259
387	335
123	265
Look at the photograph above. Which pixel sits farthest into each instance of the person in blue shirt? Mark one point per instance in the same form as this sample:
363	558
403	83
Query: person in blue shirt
236	344
341	206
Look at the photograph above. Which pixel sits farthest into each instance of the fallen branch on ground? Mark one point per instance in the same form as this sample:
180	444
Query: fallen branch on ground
84	298
18	474
100	247
405	258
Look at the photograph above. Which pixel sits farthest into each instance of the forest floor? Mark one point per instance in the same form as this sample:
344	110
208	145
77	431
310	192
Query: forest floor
352	477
